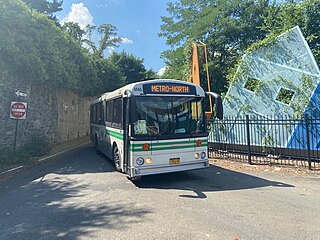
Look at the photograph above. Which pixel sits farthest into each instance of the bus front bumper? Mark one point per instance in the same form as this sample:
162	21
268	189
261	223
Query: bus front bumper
158	169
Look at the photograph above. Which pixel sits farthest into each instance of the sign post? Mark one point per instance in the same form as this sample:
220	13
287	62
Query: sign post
18	111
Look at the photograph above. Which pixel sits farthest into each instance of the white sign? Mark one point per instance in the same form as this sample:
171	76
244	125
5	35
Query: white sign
18	110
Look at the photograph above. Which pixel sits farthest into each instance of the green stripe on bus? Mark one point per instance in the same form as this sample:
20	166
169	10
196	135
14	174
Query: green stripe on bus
114	132
172	148
171	143
116	136
136	149
164	143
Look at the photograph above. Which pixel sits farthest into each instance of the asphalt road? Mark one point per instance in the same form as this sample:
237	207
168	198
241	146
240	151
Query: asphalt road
81	196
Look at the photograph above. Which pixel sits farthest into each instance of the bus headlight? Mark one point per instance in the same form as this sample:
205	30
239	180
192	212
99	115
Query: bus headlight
196	155
203	155
140	161
148	160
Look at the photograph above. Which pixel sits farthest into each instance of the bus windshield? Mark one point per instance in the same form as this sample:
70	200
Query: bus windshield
164	115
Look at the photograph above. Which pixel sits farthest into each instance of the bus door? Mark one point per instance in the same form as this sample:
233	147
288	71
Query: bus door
126	134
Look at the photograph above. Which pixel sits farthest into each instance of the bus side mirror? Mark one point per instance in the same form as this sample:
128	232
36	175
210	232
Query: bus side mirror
218	104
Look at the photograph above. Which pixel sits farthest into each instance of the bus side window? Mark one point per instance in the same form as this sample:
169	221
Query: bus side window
94	115
97	113
117	113
109	113
91	114
102	113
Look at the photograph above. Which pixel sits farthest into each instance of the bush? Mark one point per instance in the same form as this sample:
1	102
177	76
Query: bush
8	157
37	146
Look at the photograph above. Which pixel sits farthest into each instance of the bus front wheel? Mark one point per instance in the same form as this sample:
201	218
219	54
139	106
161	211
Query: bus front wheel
116	158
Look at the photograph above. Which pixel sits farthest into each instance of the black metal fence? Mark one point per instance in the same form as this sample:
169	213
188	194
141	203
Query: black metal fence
267	140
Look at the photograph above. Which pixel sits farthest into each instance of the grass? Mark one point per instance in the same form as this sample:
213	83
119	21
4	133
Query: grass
36	146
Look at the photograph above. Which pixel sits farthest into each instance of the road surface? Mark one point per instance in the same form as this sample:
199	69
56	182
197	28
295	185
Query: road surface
80	196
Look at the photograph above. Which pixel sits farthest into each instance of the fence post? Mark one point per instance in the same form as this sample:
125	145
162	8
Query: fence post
248	139
308	140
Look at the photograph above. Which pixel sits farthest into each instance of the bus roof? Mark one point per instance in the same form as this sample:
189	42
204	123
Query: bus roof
157	87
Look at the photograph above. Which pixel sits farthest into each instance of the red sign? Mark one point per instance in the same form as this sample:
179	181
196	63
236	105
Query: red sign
18	110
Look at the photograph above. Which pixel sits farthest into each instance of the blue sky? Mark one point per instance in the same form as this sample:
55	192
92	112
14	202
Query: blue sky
138	23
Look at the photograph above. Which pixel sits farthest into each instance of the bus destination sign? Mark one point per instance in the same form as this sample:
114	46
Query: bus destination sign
168	88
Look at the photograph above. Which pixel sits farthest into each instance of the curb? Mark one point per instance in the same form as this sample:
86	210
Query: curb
39	161
62	152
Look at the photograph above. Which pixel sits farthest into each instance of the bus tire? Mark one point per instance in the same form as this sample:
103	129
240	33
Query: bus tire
135	179
116	158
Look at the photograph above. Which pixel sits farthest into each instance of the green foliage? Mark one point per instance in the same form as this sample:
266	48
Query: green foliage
119	68
227	28
175	64
108	38
268	143
302	95
74	30
34	49
8	157
131	67
46	7
307	82
305	14
251	84
232	28
36	146
109	76
285	96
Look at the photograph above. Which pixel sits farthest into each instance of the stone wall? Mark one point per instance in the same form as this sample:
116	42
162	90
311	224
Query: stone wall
73	116
57	115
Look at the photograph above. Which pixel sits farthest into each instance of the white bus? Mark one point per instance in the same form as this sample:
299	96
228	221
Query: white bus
152	127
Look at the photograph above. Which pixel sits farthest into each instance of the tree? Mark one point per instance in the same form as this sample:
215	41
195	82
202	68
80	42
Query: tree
131	67
74	30
108	75
47	7
108	38
305	13
227	28
36	51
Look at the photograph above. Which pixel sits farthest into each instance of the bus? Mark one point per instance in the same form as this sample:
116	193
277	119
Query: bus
152	127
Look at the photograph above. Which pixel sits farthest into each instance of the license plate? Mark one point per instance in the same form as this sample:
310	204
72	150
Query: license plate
174	160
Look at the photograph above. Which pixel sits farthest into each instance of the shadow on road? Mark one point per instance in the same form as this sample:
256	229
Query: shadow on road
79	161
207	180
49	210
56	201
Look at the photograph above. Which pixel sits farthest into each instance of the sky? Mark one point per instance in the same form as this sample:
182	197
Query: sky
138	23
